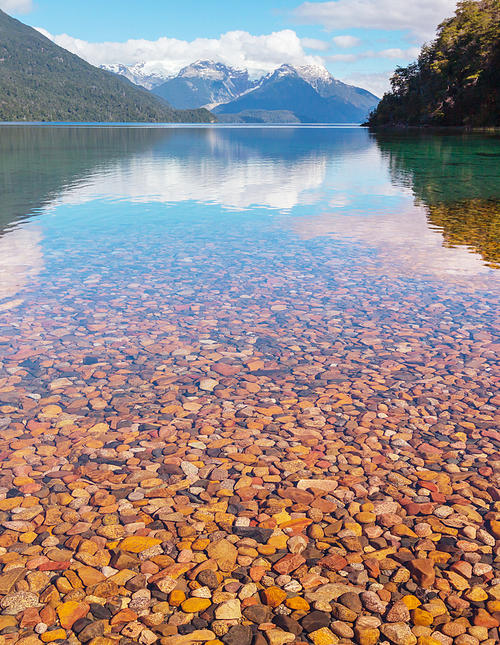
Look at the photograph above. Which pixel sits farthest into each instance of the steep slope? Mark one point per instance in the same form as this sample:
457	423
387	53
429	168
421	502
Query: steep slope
40	81
204	83
456	79
327	86
310	92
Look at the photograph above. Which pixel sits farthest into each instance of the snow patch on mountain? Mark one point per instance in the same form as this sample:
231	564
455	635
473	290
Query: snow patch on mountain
315	75
147	75
209	70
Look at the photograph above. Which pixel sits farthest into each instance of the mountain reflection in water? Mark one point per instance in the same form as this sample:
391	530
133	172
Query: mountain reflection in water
234	167
407	197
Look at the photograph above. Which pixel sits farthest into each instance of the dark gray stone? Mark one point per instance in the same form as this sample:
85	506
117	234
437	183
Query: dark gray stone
315	620
239	635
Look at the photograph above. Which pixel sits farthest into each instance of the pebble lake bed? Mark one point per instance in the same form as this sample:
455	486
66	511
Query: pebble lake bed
249	386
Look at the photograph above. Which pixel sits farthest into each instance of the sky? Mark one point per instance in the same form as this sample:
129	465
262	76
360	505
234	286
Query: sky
359	41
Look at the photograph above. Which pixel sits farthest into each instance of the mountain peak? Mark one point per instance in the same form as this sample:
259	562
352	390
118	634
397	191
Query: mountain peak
212	71
314	73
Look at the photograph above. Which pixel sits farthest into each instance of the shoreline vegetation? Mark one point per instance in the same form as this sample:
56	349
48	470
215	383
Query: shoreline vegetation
456	80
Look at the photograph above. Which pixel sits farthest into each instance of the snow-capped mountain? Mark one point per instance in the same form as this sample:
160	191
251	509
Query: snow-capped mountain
148	75
310	92
307	93
205	84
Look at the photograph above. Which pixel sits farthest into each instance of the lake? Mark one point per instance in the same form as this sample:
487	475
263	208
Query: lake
280	338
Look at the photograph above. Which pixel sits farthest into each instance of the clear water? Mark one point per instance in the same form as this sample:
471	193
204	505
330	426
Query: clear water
174	247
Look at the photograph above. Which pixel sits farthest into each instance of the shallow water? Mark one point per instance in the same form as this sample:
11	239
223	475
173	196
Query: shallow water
308	258
243	366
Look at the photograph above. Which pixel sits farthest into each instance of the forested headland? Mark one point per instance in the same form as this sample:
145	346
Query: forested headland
456	79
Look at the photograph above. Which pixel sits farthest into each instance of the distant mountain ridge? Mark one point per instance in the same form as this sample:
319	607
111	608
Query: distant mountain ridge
307	93
40	81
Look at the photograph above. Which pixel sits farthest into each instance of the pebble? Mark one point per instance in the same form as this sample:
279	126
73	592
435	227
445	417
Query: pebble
318	464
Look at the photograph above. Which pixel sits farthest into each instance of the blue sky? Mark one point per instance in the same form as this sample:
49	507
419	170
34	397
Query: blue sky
358	41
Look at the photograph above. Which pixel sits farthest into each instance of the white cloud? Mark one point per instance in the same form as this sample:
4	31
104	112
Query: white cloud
377	83
312	43
343	58
16	6
347	41
393	54
258	54
396	54
230	181
419	17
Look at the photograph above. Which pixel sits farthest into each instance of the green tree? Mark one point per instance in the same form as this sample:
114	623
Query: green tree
456	79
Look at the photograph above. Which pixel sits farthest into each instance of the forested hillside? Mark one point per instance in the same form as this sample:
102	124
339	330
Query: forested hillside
456	79
40	81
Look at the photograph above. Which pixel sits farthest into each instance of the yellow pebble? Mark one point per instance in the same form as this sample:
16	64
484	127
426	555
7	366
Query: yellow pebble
151	483
324	636
266	549
282	517
57	634
63	499
365	517
476	594
176	597
136	543
402	530
28	502
10	503
7	621
23	481
421	617
94	443
278	541
412	602
439	557
193	605
185	545
297	603
354	527
28	538
248	551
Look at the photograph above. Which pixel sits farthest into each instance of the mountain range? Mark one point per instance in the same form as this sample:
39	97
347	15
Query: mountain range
307	94
205	84
40	81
